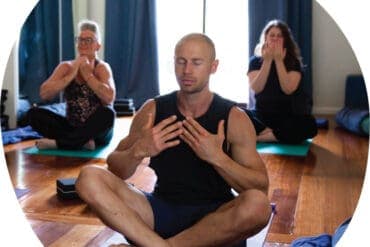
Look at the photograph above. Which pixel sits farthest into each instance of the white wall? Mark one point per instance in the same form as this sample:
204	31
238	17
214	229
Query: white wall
11	84
332	60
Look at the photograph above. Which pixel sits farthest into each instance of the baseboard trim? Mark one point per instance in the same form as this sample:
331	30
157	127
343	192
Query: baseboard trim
326	110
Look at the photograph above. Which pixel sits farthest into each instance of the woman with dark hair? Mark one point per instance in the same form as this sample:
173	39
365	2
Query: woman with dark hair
275	73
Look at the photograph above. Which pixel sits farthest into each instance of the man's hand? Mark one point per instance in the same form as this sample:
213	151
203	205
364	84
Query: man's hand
206	145
153	140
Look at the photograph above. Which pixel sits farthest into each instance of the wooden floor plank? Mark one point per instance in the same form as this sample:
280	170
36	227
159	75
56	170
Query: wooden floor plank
101	238
49	232
78	235
313	194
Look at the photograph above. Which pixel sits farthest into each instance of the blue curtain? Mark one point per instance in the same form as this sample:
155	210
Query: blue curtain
298	15
131	48
39	50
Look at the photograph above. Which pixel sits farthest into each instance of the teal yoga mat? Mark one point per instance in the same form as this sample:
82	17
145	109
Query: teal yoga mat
120	131
264	148
284	149
97	153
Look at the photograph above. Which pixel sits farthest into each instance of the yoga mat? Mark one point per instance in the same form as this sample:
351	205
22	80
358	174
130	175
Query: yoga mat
284	149
97	153
121	129
102	152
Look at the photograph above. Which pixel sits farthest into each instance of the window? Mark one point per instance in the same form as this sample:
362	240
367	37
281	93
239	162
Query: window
225	22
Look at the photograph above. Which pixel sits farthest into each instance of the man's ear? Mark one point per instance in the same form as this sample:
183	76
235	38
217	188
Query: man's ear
214	66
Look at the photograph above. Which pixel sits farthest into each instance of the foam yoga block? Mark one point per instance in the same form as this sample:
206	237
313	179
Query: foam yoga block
66	188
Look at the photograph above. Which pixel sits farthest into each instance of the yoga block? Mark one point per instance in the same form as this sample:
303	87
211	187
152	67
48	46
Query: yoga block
66	188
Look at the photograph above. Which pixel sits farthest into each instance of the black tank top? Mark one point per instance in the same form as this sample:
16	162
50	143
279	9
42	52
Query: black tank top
81	102
182	176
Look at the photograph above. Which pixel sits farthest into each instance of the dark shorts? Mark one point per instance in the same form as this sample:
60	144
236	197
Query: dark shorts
170	219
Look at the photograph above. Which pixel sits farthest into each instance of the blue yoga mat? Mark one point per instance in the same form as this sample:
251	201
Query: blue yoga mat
284	149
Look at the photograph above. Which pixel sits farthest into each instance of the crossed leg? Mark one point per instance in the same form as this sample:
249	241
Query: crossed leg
119	205
126	210
233	222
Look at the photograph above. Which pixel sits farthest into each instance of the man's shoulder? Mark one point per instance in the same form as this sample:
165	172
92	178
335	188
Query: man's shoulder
165	100
240	128
224	101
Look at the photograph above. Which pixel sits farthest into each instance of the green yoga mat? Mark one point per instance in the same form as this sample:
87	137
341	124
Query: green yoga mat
121	129
102	152
97	153
284	149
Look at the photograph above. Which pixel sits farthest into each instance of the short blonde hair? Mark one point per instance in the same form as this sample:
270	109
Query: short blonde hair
91	26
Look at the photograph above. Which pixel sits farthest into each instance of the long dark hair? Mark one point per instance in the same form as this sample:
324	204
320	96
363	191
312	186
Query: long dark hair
292	50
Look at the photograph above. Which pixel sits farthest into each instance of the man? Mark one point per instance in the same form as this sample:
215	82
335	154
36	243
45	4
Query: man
201	146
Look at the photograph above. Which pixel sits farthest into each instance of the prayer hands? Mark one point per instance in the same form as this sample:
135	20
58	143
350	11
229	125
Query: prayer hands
76	65
86	69
204	144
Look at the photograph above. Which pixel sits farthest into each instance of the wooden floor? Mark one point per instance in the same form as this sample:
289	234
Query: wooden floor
313	194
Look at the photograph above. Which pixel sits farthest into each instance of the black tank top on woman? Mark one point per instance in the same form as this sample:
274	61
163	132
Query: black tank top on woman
183	177
81	102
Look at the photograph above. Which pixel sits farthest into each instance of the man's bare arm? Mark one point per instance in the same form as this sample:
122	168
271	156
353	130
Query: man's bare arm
247	170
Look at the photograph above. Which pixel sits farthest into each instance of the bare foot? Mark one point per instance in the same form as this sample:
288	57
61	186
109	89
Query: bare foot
90	145
45	143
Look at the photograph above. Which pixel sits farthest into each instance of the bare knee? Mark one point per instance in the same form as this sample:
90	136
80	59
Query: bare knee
253	212
88	181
